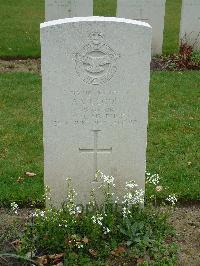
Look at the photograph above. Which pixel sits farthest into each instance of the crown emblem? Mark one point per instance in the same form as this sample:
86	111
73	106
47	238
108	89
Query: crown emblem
96	37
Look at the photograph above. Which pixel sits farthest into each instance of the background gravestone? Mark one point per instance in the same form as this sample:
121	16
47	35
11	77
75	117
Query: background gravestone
190	23
95	76
150	11
57	9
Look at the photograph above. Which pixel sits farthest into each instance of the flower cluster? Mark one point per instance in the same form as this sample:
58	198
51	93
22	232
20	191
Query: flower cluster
130	199
14	207
47	194
106	178
152	179
106	230
134	198
63	224
71	198
97	219
130	185
106	185
39	213
172	199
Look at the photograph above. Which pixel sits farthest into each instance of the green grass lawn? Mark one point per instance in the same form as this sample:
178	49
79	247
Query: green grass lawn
172	136
172	26
20	21
21	137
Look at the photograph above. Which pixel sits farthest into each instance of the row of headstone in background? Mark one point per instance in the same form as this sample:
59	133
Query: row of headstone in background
58	9
190	23
150	11
95	78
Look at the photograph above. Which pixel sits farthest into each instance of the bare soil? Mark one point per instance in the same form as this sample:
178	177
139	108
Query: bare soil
25	65
34	65
186	221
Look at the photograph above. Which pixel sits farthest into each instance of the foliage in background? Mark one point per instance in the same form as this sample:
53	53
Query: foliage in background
186	59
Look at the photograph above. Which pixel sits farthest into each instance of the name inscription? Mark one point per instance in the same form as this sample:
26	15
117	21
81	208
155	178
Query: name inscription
99	107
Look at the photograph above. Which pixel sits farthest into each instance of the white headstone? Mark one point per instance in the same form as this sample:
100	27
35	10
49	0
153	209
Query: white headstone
95	80
150	11
190	23
57	9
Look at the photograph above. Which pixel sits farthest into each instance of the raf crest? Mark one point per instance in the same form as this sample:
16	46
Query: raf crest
96	62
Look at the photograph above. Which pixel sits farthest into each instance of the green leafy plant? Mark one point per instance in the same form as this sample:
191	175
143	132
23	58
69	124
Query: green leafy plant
98	234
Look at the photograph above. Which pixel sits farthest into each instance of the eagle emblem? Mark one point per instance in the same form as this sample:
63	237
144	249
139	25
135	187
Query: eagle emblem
96	62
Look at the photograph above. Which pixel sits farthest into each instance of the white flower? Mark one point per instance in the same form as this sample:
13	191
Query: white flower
106	230
14	207
106	178
71	196
125	211
97	219
47	193
42	213
78	209
131	184
132	199
116	200
172	199
152	179
39	213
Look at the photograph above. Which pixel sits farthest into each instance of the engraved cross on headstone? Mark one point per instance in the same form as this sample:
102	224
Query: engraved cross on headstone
95	151
141	15
69	5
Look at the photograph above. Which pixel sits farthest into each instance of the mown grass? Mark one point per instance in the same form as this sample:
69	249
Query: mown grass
19	28
172	26
21	138
172	136
20	21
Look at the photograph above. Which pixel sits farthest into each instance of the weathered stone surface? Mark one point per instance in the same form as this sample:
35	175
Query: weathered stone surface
190	23
95	80
150	11
57	9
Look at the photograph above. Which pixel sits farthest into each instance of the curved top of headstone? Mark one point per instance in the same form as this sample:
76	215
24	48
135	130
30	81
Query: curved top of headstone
93	19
